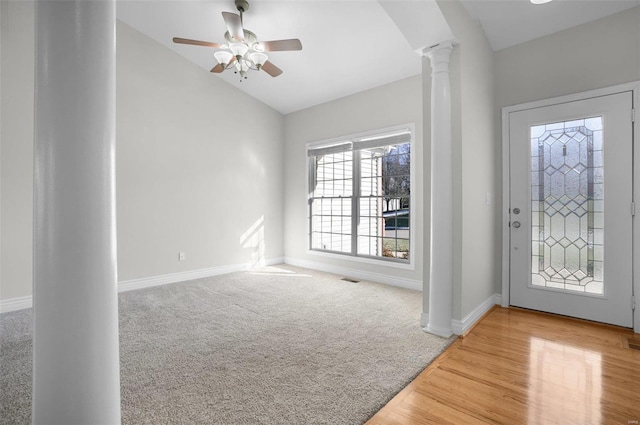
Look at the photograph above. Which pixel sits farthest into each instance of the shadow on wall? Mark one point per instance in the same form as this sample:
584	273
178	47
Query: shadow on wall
253	240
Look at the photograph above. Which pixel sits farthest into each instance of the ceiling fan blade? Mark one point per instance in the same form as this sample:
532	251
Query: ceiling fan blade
271	69
281	45
195	42
219	68
234	25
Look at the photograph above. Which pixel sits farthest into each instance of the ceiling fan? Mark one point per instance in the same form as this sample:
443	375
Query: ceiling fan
243	51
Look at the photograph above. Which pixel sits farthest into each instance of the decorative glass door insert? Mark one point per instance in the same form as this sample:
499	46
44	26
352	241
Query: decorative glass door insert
567	206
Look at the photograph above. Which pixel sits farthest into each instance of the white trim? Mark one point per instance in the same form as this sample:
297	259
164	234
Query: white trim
17	303
631	86
462	326
506	202
20	303
636	198
605	91
148	282
416	285
361	135
367	260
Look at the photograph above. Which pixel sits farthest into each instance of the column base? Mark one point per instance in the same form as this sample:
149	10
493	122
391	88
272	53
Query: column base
443	332
424	320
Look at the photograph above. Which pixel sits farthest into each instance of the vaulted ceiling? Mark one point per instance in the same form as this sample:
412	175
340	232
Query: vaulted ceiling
510	22
348	46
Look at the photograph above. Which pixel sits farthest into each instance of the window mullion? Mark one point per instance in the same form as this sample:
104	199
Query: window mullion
355	203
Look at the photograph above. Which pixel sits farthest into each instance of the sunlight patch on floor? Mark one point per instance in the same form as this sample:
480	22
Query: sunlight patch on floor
277	271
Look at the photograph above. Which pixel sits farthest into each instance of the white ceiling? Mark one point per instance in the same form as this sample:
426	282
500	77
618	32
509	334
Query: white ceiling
510	22
348	45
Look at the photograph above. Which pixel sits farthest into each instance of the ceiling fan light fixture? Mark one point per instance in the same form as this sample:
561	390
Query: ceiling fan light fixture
223	57
238	49
258	58
540	1
242	51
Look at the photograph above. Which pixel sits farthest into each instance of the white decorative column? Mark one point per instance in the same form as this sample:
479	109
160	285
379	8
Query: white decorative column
76	376
441	244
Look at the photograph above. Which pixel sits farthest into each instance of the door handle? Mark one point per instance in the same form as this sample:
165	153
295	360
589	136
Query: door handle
516	224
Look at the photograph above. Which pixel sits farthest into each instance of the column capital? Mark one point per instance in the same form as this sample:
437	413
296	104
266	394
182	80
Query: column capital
445	45
441	50
439	56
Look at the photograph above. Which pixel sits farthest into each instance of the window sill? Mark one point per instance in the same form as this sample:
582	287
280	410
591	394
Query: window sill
365	260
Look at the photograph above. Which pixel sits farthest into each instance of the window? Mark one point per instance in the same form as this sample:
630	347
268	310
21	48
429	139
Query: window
360	196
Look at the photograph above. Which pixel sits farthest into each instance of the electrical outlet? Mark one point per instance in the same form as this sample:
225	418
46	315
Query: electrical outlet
182	256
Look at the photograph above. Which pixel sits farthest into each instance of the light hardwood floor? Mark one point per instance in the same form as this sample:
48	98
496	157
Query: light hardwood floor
523	367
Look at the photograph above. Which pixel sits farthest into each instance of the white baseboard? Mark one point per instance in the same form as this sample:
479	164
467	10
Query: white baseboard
461	326
148	282
13	304
20	303
355	273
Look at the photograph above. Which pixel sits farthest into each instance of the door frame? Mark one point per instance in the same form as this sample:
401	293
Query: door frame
506	182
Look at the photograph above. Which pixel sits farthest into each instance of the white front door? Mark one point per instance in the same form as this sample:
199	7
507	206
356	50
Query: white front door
571	208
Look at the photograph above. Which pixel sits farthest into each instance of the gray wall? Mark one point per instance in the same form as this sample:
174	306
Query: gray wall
16	154
597	54
187	178
386	106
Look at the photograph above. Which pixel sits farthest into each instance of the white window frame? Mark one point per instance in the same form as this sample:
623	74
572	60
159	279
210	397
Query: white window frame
351	138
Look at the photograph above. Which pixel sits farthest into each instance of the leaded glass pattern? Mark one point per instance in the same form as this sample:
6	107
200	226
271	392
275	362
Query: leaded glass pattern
567	201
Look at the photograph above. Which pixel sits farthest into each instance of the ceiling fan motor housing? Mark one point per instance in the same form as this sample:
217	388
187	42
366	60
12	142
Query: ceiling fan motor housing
249	38
242	5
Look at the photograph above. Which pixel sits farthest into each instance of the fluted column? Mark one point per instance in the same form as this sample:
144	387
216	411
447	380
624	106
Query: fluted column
76	378
441	244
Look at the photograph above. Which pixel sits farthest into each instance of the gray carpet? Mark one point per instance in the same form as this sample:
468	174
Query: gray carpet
281	345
